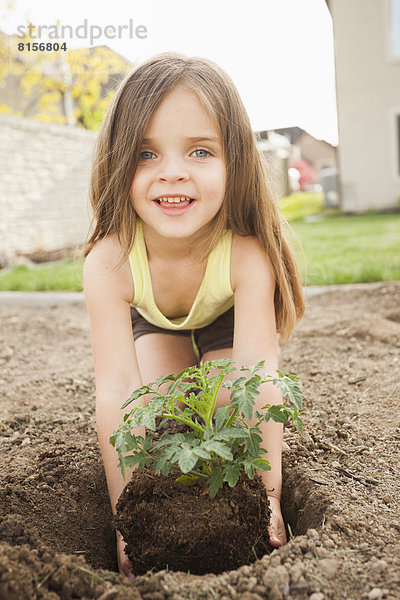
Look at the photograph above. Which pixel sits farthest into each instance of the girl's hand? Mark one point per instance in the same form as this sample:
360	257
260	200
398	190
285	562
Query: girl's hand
276	530
124	564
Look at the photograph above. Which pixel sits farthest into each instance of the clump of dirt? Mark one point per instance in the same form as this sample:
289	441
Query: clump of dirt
340	478
176	526
39	572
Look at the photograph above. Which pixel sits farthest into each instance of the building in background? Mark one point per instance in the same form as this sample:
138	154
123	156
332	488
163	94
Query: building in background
367	59
277	151
320	154
313	159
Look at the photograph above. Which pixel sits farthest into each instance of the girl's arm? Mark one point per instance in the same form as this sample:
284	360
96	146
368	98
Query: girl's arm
255	339
108	293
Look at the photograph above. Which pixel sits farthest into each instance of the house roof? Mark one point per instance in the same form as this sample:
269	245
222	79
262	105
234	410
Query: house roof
293	134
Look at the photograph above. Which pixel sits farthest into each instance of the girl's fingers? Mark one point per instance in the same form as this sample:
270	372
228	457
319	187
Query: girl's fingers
276	530
125	567
274	540
124	564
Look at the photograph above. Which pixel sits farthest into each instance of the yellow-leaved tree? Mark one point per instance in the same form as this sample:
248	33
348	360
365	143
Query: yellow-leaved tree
68	87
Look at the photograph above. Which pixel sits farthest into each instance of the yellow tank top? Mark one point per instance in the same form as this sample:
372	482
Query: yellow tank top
215	295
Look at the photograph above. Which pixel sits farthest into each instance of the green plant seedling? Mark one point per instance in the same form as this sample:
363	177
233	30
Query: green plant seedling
219	444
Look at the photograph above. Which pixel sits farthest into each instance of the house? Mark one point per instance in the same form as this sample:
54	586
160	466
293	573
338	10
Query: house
367	59
277	150
318	153
289	146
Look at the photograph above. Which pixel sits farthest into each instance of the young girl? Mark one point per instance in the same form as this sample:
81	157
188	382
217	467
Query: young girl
187	261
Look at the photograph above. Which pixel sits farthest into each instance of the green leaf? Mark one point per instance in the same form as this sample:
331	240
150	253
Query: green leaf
147	417
229	433
201	407
222	415
208	434
215	482
144	461
201	452
220	449
231	474
148	443
220	363
254	368
121	465
243	399
249	469
132	459
278	413
253	443
261	464
187	459
187	372
163	465
234	382
145	389
119	441
187	479
174	438
132	441
299	425
290	388
160	380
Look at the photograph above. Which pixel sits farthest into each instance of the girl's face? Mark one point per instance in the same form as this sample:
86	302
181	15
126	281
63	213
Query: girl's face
179	183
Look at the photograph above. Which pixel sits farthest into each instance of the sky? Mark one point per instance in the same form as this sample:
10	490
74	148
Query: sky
279	53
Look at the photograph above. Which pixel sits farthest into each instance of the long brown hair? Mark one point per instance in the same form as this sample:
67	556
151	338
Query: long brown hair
248	207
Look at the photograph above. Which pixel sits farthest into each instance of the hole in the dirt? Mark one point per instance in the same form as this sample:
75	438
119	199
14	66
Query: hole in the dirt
79	520
303	502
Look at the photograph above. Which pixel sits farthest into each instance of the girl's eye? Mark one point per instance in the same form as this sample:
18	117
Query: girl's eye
146	155
201	153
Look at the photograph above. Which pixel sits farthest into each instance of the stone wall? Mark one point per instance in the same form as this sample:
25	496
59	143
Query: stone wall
44	179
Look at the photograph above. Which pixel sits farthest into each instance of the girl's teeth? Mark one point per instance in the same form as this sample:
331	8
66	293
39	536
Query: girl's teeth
174	200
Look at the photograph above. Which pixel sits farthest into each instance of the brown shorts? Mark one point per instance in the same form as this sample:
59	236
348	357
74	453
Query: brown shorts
217	335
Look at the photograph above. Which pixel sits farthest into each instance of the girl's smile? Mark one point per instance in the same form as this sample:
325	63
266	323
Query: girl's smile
174	205
179	183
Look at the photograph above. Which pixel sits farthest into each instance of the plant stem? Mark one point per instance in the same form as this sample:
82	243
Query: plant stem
194	473
233	415
214	400
204	380
191	406
189	423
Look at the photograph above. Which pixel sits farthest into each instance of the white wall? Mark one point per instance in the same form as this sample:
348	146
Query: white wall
368	97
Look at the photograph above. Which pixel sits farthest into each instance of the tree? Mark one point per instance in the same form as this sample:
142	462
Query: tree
73	86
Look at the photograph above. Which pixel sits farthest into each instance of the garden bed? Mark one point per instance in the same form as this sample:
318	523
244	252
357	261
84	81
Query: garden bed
340	476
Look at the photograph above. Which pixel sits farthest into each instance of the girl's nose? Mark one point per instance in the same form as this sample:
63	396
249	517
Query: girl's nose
172	169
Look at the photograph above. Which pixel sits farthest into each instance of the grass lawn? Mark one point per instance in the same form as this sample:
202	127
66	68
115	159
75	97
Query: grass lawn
351	249
302	204
63	275
338	249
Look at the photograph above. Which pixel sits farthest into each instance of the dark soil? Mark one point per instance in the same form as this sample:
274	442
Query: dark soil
341	477
169	525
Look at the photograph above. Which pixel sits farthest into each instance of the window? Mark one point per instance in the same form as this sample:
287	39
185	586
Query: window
394	28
